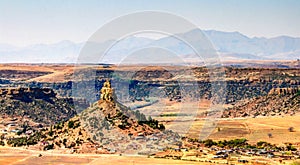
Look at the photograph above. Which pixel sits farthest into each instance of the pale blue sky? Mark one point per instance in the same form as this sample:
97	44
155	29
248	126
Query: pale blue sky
25	22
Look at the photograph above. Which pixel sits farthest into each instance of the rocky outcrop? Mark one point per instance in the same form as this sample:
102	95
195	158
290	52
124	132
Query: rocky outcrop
27	94
106	93
39	104
116	127
284	91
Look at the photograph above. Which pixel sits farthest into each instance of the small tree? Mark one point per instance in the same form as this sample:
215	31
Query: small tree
291	129
269	135
143	117
161	127
290	148
49	147
71	124
51	131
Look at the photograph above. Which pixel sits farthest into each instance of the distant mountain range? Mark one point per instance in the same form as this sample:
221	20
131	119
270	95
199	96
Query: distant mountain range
238	45
230	46
64	51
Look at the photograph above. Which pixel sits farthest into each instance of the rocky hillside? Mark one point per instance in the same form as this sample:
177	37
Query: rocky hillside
119	129
279	101
39	104
105	127
68	137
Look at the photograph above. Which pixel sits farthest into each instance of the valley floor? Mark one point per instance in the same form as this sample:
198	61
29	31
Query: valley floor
253	129
21	156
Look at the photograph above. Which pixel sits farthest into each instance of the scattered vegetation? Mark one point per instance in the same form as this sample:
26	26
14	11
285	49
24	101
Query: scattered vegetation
25	141
242	143
150	122
173	114
225	143
289	147
153	124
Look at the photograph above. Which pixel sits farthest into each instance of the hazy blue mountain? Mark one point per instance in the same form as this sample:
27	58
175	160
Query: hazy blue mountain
234	45
235	42
230	45
42	53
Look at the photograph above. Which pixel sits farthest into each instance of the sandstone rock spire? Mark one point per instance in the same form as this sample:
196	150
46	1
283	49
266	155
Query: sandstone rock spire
106	92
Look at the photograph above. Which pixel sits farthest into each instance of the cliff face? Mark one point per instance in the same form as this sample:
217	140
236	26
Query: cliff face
278	102
284	91
27	94
39	104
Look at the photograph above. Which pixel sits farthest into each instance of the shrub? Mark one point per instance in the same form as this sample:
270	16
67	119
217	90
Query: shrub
270	135
209	143
19	132
291	129
51	131
22	141
291	148
71	124
162	127
49	147
76	125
